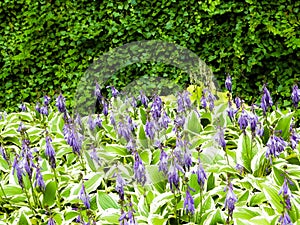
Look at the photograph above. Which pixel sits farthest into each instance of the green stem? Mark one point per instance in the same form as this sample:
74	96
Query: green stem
30	206
36	202
3	191
58	193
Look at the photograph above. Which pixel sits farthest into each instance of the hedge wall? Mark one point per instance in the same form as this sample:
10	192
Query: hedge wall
46	45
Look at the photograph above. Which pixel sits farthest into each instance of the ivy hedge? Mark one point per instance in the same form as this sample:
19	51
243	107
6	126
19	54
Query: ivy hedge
47	45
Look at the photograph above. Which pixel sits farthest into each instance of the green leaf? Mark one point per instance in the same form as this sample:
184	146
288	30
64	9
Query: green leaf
193	123
50	194
245	151
105	201
273	197
24	220
284	124
142	137
116	149
93	183
156	178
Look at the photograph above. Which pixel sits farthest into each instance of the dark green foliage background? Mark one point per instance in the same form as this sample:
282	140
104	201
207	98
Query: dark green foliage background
47	45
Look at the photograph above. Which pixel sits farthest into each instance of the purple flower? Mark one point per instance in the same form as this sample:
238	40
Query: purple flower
112	119
98	93
173	177
114	91
139	169
286	193
239	168
231	112
187	158
275	146
61	103
179	122
46	100
20	172
50	152
243	120
130	123
266	100
78	120
285	219
220	138
120	183
44	110
203	100
3	153
94	155
201	175
23	107
164	121
156	108
186	99
150	129
124	131
84	197
295	95
73	138
133	102
21	127
238	102
39	181
37	107
228	83
211	99
91	123
51	221
144	99
230	199
163	162
98	121
105	108
294	138
188	203
253	122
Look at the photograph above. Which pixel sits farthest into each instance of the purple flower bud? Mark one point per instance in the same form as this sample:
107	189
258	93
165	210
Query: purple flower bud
94	155
39	179
294	138
98	93
266	100
105	108
203	100
239	168
286	193
201	175
51	221
46	100
120	183
124	131
173	177
37	107
84	197
73	138
163	162
98	121
139	169
243	120
132	126
144	99
187	158
188	203
61	103
150	129
253	122
44	110
231	112
3	153
220	138
49	152
285	219
211	99
230	199
275	146
23	107
78	120
164	121
91	123
114	91
179	122
228	83
17	167
156	108
21	127
133	102
295	96
238	102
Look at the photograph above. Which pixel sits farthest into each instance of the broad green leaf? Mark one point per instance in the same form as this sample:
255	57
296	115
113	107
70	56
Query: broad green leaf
116	149
257	199
193	123
146	156
93	182
156	178
157	220
272	196
160	200
142	139
105	201
50	194
24	220
284	124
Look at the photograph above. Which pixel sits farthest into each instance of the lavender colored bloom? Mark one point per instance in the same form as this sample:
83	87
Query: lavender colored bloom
186	99
124	131
253	119
91	123
46	100
98	121
133	102
105	108
211	99
51	221
83	196
139	169
78	120
187	158
295	95
243	120
132	126
266	100
203	100
163	162
179	122
61	103
173	177
144	99
112	119
114	91
201	175
94	155
98	93
188	203
37	107
275	146
220	138
23	107
21	127
39	179
285	219
230	199
19	169
239	168
180	104
150	129
50	152
131	146
294	138
238	102
120	183
44	110
228	83
231	112
164	120
286	193
3	153
156	108
73	138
